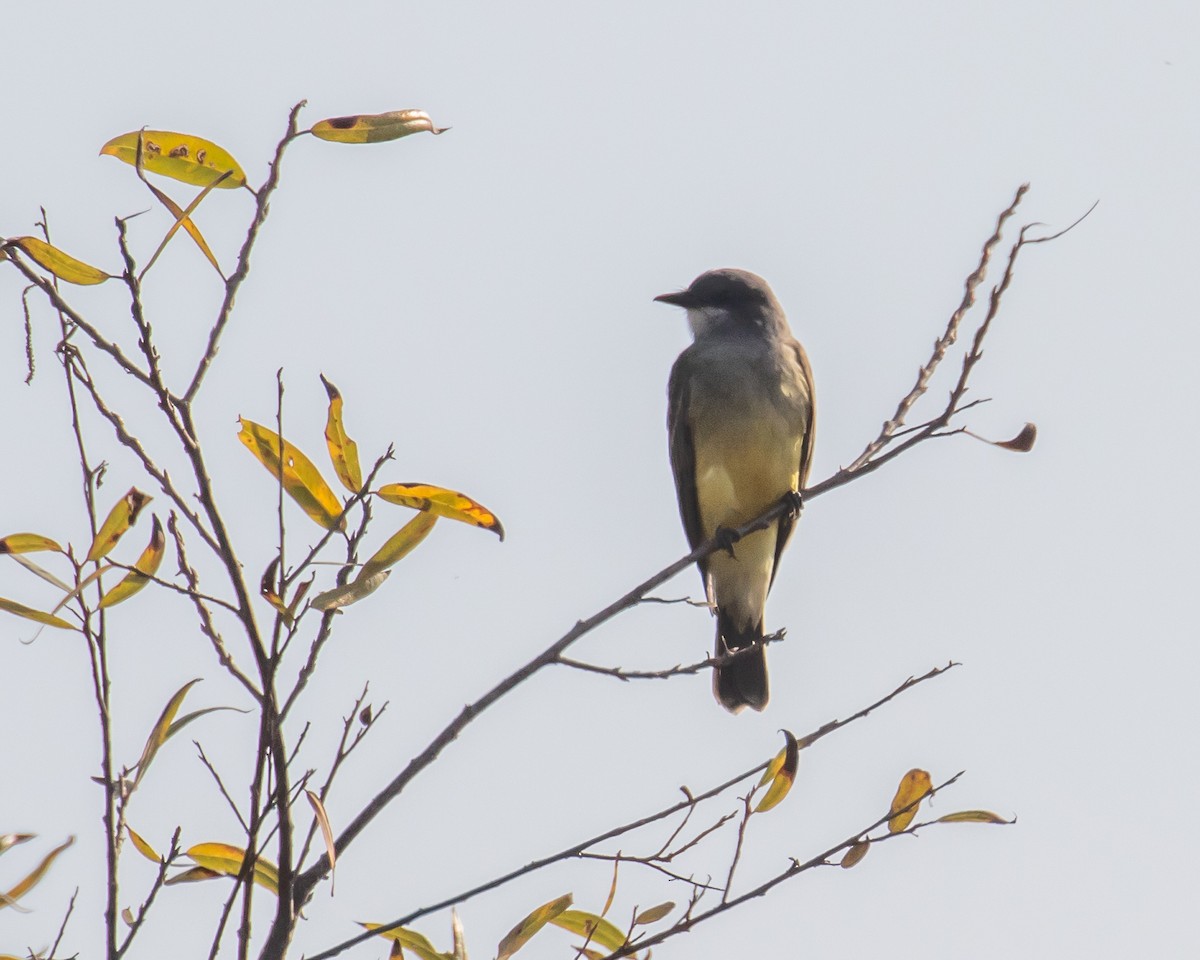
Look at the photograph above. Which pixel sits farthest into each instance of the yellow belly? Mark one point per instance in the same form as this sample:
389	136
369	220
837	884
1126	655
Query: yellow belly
741	469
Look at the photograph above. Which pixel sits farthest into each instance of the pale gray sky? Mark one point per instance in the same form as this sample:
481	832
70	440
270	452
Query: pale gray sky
483	299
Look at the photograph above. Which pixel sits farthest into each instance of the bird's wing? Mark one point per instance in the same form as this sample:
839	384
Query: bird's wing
683	455
787	522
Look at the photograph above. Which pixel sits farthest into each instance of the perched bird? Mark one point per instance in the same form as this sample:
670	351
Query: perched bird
740	422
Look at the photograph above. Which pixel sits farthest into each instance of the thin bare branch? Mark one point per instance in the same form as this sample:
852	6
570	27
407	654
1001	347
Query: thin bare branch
708	663
262	205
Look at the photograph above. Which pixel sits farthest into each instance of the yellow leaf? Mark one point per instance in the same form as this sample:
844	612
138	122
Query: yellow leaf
519	935
193	875
300	478
975	816
612	887
27	543
143	570
326	832
443	502
34	876
227	860
342	450
352	592
179	156
162	729
416	942
914	785
375	128
653	914
399	545
183	218
120	518
855	854
141	846
594	929
785	764
49	619
58	263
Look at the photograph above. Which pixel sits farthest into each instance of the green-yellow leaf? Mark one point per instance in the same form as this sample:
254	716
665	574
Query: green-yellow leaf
162	729
520	935
653	914
592	928
785	764
146	567
416	942
141	846
49	619
34	876
120	518
914	786
300	478
855	854
399	545
179	156
62	265
375	128
342	450
27	543
975	816
443	502
352	592
227	860
183	721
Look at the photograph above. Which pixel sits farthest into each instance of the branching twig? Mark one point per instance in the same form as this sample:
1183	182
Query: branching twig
689	802
708	663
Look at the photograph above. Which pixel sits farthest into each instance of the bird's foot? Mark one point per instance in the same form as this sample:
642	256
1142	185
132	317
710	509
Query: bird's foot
795	502
726	537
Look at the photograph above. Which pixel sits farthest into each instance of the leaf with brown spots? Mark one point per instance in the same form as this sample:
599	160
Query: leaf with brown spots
375	128
301	480
120	518
179	156
443	502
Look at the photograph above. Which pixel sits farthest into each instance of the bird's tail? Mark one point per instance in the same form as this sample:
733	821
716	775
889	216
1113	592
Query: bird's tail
742	682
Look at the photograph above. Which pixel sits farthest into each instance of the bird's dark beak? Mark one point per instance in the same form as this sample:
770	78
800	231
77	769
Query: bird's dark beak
680	299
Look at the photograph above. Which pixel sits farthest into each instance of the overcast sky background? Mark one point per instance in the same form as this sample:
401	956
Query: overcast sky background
483	300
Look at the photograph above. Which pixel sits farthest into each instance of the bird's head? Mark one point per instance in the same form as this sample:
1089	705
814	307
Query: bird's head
728	300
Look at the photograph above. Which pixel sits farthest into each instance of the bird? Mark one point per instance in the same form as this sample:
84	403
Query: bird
740	418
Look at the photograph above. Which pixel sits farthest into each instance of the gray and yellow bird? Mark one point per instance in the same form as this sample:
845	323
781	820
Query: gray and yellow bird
740	422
